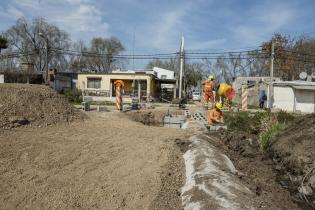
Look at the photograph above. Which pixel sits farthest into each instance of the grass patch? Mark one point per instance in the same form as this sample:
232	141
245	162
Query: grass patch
284	117
267	136
265	125
245	121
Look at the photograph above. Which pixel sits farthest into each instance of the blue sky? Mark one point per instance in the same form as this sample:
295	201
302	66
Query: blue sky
158	25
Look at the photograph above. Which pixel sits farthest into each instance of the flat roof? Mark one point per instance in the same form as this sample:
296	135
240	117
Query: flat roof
122	73
298	84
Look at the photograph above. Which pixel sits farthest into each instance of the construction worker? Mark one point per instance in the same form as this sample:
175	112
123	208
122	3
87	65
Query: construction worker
208	87
215	115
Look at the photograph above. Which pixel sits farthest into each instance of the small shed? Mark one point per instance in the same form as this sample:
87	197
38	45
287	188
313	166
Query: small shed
294	96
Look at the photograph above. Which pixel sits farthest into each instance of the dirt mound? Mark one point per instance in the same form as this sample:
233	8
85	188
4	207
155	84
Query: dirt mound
35	105
255	169
294	151
297	143
289	160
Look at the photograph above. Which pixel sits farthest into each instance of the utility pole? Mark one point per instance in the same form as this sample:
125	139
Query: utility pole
270	89
181	68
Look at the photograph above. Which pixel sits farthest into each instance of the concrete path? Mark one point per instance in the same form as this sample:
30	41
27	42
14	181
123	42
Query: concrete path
211	181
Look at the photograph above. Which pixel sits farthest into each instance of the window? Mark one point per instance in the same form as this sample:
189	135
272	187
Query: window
94	83
163	77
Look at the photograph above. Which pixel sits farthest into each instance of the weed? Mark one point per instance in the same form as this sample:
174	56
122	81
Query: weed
267	136
73	95
284	117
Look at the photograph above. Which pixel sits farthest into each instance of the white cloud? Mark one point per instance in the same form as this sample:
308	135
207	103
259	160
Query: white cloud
85	18
80	18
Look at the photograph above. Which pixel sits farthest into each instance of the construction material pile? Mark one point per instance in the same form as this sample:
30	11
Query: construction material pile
34	105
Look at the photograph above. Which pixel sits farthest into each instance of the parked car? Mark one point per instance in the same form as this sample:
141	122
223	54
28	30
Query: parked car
196	96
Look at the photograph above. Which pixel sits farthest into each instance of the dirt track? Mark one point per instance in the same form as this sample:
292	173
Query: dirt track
106	162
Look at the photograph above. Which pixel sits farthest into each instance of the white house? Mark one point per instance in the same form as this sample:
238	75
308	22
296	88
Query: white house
164	73
294	96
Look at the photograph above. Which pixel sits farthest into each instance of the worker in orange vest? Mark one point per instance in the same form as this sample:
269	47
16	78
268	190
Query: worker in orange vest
208	91
215	115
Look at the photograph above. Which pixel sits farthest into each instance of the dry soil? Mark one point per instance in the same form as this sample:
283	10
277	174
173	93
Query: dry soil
105	162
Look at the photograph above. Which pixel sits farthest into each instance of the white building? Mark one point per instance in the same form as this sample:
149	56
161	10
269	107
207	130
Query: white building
294	96
1	78
164	73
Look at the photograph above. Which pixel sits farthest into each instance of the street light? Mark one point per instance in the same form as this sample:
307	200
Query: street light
46	55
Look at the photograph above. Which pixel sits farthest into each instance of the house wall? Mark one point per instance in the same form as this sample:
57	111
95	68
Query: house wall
284	98
305	100
290	99
107	81
1	78
169	74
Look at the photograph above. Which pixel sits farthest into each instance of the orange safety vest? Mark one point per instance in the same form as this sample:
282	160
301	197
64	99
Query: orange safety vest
208	86
214	113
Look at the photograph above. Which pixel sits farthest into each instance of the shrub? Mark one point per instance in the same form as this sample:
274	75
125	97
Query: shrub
247	122
238	121
284	117
73	95
267	136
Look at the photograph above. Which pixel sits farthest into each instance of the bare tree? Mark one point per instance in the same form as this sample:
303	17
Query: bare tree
79	60
170	64
101	54
25	38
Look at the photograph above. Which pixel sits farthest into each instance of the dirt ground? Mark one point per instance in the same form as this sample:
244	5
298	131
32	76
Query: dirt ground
287	162
105	162
256	172
294	153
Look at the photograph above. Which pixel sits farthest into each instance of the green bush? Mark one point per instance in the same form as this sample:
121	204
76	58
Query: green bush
244	121
267	136
73	95
284	117
238	121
